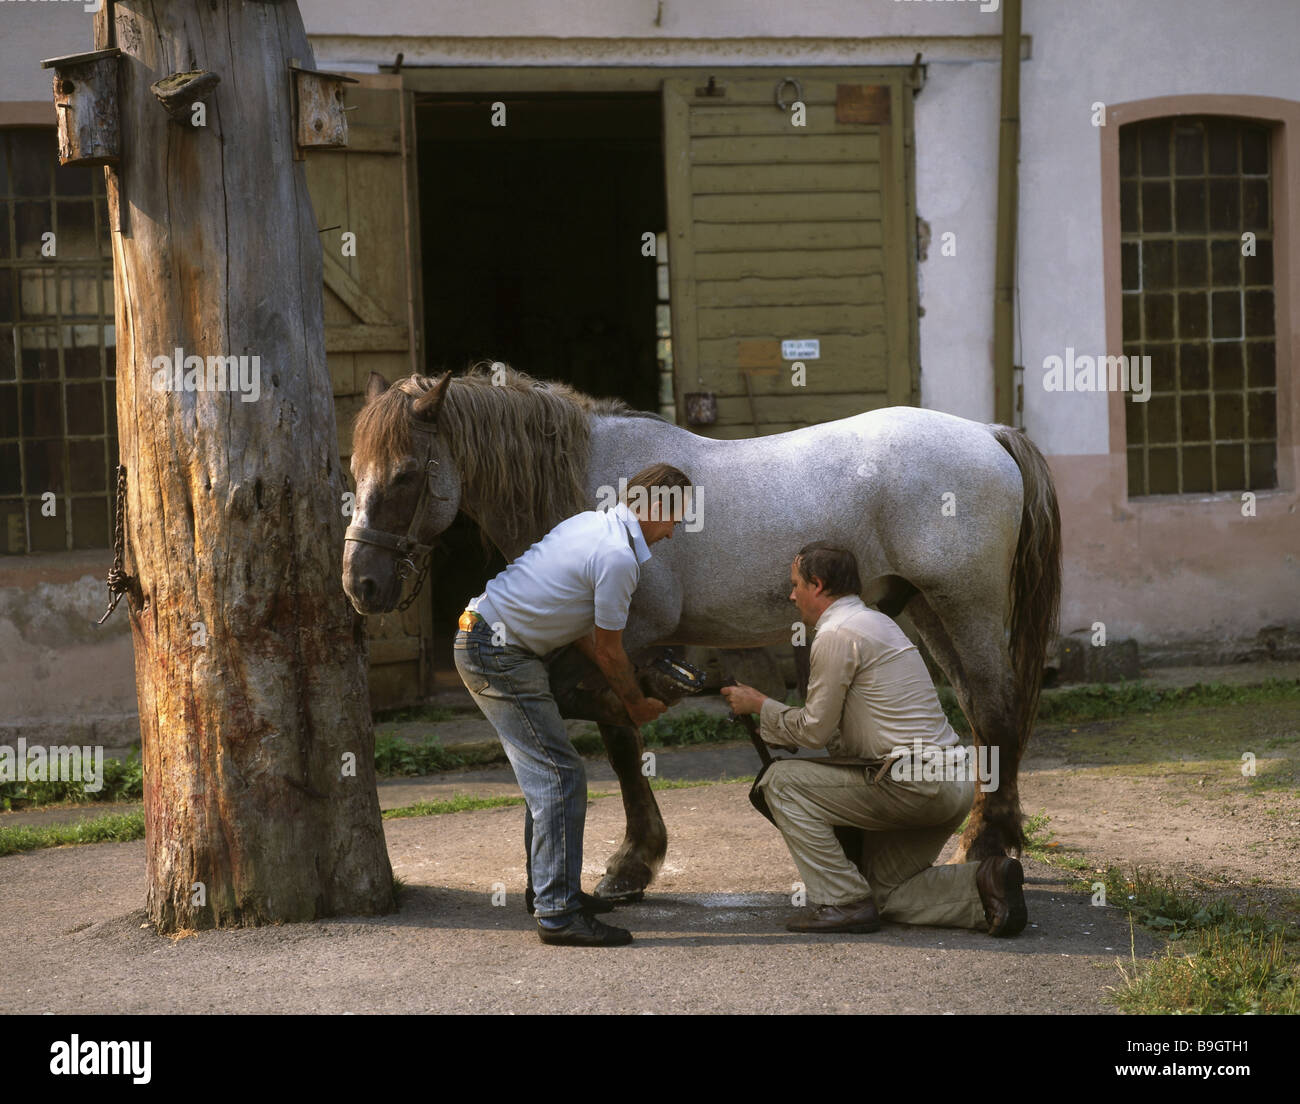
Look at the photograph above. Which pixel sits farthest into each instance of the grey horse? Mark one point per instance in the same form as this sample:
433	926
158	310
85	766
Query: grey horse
952	520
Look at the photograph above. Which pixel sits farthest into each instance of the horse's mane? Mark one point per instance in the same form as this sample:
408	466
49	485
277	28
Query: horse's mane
520	444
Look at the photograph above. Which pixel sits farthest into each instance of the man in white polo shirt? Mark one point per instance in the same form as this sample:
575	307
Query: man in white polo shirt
573	586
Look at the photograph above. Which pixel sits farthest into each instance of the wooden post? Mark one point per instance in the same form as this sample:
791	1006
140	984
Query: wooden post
260	801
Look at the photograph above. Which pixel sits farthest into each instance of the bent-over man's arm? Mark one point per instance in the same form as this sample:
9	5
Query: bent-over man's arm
604	647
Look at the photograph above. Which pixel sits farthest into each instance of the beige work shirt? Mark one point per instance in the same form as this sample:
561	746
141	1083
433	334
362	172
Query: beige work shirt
869	691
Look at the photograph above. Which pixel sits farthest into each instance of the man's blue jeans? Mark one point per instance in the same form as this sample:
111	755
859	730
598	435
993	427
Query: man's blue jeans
512	688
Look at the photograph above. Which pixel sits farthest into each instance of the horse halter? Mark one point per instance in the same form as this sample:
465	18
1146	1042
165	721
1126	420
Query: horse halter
408	547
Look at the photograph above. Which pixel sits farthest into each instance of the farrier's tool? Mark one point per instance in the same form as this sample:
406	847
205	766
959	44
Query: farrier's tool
764	754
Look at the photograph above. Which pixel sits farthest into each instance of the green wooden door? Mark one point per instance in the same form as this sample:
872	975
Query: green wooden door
363	197
780	233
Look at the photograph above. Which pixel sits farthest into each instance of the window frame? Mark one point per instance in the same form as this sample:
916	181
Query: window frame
1282	118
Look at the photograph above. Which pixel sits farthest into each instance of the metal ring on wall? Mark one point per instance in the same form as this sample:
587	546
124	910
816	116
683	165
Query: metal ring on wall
780	87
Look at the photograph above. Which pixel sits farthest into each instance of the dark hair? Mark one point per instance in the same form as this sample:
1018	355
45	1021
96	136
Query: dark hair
837	568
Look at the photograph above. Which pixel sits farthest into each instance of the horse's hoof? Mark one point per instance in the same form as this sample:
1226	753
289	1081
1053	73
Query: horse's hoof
621	891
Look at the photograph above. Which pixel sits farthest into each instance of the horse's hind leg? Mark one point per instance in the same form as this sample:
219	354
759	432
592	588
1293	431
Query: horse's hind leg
645	842
967	642
944	654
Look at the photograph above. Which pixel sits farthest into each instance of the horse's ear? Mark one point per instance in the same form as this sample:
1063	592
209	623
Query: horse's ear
376	385
426	406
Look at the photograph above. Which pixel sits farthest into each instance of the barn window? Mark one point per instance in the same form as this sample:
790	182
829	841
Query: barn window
57	418
1197	277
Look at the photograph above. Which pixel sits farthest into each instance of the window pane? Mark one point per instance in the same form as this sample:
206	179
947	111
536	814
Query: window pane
1228	372
1225	308
1193	263
1156	211
1254	151
1155	149
1194	367
1193	319
1261	413
48	534
1230	466
1223	147
1229	417
1157	265
1198	477
1189	205
85	409
44	467
90	523
1225	205
1261	364
86	466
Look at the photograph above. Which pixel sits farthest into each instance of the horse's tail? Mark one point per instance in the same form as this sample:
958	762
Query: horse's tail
1035	573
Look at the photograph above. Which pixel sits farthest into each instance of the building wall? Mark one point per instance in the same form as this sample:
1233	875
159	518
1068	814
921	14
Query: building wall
1185	575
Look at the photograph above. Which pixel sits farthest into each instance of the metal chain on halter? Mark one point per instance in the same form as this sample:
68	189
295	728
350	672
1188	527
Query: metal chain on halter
119	582
419	582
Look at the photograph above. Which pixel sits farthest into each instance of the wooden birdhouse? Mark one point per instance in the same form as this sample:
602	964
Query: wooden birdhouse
322	122
85	99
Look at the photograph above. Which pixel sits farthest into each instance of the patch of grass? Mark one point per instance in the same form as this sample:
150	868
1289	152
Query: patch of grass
1106	701
1041	844
464	803
691	783
116	827
458	803
693	727
1218	959
1102	701
1215	971
401	758
428	714
123	780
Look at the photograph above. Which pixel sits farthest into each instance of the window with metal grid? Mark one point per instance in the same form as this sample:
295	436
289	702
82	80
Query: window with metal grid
1196	234
58	422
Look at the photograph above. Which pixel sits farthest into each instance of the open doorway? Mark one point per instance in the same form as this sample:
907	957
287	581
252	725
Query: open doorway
531	245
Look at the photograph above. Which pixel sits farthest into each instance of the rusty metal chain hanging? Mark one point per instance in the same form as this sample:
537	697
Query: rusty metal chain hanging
119	582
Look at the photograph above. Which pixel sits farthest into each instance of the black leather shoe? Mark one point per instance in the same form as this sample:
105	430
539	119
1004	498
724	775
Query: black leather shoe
585	931
859	916
1001	880
591	905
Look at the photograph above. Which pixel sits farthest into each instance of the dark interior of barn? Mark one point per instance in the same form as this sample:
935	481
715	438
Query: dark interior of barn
531	243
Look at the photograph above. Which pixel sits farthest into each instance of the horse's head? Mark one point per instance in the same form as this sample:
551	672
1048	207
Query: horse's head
407	490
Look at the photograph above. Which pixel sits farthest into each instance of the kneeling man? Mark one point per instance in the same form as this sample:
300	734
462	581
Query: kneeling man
869	683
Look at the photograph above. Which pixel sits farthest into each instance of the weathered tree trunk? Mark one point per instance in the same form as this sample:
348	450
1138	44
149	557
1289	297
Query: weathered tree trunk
250	667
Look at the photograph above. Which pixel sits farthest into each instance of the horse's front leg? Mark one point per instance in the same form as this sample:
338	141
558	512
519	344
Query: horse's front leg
645	840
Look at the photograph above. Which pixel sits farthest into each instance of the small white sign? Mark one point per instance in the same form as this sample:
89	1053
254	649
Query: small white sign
809	348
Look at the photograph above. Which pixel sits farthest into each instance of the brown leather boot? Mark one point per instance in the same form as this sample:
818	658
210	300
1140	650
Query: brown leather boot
1000	880
857	916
